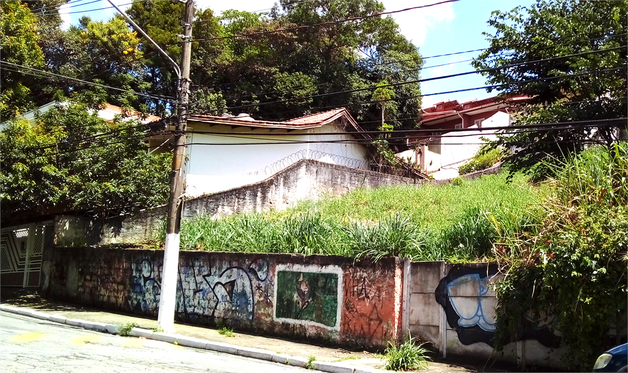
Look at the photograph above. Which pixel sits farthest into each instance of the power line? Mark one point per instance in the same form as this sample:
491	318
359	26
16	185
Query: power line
531	127
455	53
35	72
440	65
328	23
73	3
439	78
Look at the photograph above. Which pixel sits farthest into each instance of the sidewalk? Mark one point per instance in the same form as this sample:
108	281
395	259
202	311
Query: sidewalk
266	348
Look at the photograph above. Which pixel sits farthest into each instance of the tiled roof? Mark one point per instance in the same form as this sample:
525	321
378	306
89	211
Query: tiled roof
453	108
119	110
325	116
304	122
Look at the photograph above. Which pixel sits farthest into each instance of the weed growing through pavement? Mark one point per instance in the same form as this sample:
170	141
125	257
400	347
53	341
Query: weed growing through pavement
158	330
226	332
310	362
125	329
408	356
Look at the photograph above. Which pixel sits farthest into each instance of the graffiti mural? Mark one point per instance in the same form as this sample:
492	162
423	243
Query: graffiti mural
366	307
308	295
222	290
469	306
145	289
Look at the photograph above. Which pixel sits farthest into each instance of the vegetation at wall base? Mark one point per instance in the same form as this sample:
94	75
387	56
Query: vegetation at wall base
408	356
125	329
575	266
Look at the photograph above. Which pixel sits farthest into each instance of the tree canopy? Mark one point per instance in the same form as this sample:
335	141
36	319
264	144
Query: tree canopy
19	38
569	58
70	160
289	62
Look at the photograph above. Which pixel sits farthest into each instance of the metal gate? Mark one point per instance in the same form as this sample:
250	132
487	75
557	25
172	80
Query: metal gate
21	250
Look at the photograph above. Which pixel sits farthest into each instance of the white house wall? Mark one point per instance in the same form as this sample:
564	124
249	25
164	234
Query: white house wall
456	150
215	168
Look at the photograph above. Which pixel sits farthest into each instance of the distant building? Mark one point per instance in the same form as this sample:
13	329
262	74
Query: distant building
443	151
107	112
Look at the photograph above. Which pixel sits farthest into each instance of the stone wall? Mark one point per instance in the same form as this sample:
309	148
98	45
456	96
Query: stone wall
306	179
317	298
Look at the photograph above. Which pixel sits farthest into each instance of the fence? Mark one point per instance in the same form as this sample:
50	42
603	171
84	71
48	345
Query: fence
21	250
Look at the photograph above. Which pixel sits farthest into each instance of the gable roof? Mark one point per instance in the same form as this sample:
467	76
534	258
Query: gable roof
451	109
305	122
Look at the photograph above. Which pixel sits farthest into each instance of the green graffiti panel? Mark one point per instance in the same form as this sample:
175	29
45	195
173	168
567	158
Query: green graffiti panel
307	296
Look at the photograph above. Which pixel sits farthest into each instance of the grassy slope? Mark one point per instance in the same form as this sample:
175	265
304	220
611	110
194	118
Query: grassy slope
425	223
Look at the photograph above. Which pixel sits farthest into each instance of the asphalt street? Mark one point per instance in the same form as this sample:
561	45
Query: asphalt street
30	345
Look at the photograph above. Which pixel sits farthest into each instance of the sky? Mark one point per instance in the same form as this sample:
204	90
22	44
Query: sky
442	29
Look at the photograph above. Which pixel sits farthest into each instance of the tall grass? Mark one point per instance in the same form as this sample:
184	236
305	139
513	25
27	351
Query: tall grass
429	222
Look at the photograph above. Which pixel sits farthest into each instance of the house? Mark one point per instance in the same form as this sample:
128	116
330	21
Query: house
107	112
226	152
442	151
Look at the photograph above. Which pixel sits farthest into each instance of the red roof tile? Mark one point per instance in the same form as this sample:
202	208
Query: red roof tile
304	122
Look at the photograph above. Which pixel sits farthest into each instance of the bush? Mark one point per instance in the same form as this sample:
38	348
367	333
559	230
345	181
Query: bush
405	357
574	266
485	158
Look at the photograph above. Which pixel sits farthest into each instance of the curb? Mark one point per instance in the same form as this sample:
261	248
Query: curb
181	340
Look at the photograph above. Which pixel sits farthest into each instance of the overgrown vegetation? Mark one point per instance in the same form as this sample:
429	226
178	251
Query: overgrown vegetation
485	158
422	223
408	356
70	160
227	332
310	362
125	329
573	267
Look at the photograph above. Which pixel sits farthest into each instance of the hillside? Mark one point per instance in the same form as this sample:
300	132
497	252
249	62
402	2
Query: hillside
428	222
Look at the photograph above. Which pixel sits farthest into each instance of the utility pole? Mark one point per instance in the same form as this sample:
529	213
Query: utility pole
167	298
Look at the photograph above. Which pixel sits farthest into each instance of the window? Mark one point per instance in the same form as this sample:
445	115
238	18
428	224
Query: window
458	125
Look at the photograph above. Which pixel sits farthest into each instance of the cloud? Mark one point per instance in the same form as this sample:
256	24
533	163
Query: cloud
65	17
415	24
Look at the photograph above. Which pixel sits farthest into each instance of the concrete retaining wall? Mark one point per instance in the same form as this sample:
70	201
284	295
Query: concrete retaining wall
453	307
317	298
306	179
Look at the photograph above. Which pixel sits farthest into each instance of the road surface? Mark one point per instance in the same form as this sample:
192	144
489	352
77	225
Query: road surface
33	345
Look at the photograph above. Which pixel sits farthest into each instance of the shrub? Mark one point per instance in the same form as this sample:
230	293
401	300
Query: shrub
125	329
405	357
573	267
485	158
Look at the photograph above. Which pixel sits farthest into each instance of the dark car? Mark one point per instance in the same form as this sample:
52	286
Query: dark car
613	360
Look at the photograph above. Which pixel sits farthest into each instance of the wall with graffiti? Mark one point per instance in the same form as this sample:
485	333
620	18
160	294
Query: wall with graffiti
320	298
453	306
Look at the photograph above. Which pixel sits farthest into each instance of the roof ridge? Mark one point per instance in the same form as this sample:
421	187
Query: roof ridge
319	113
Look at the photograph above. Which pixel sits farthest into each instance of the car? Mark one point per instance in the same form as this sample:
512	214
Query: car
613	360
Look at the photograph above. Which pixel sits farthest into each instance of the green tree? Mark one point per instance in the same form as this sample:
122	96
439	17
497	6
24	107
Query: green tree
569	57
103	52
70	160
265	64
19	39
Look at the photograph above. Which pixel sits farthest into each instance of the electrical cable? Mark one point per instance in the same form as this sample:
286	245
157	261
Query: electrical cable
536	127
171	99
328	23
73	4
494	86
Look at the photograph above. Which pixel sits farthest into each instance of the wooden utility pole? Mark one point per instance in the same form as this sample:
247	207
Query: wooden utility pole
167	299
